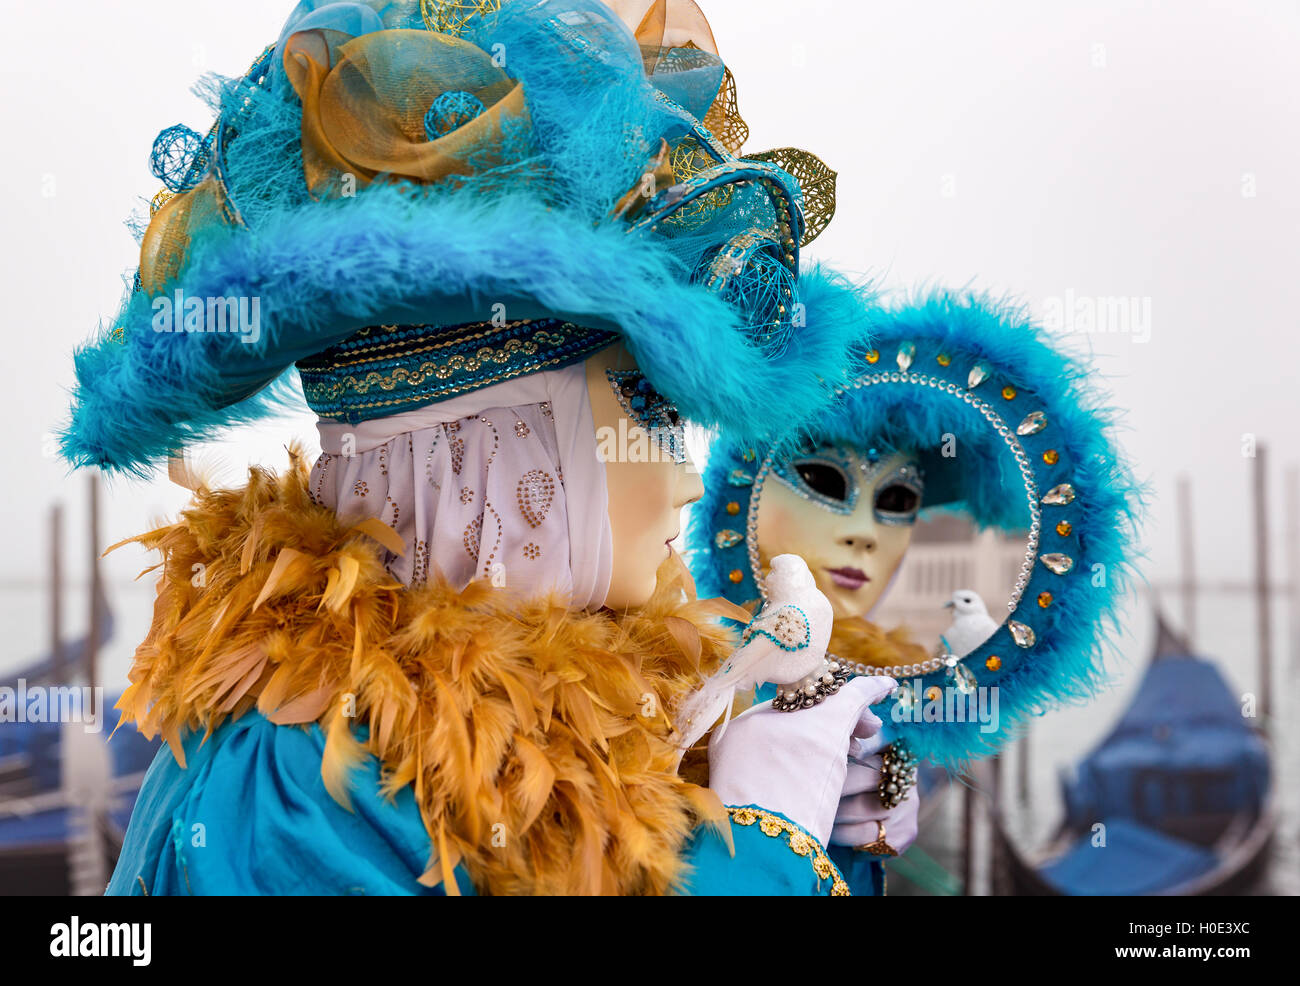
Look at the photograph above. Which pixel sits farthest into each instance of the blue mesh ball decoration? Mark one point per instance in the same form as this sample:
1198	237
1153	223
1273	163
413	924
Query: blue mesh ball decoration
449	112
175	152
761	289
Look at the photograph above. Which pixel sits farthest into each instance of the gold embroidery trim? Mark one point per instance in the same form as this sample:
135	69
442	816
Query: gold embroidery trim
799	841
375	345
321	381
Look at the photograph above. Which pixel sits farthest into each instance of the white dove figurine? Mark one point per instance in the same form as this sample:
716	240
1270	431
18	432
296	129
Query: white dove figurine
971	623
783	644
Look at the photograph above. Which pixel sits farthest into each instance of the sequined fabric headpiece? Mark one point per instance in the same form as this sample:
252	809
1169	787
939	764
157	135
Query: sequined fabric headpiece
414	200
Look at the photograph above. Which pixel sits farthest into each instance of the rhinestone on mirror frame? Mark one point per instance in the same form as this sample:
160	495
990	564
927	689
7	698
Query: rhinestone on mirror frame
906	353
1035	421
1022	634
978	374
1059	496
727	538
962	679
1057	562
905	697
738	477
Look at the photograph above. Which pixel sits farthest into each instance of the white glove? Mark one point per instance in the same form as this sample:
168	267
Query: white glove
860	809
795	763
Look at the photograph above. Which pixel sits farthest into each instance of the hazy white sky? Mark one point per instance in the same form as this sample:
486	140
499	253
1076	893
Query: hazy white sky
1146	151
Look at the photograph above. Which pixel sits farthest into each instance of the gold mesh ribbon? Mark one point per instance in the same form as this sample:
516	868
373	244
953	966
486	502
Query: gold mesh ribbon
166	241
816	180
681	24
364	103
451	16
723	119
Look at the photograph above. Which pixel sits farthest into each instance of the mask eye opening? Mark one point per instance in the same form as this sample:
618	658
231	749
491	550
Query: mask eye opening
824	478
651	410
899	496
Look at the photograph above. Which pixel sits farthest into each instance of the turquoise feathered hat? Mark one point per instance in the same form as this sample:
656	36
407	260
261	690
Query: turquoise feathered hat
1035	456
409	201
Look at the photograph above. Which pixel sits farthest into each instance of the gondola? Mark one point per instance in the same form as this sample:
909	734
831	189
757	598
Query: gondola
1176	801
66	794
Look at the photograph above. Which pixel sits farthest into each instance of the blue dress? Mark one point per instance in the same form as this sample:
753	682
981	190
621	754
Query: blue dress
251	815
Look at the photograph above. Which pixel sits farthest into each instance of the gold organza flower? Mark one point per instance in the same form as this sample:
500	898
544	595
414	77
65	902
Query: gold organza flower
366	101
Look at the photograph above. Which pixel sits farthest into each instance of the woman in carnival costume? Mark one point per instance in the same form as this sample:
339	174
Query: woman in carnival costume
495	244
962	405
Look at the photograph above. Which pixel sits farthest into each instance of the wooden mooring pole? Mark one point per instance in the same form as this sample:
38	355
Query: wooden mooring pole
1263	613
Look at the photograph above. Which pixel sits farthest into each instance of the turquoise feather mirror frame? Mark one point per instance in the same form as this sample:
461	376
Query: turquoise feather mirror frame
1033	455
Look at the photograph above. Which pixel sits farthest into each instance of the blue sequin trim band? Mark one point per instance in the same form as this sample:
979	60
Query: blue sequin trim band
387	369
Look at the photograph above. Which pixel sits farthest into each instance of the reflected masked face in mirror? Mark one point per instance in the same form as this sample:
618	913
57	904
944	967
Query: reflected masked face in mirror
848	514
648	475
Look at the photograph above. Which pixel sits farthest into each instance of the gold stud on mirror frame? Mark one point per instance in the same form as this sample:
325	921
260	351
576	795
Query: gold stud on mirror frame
736	576
943	359
1008	392
1057	563
1064	528
993	662
1044	600
873	356
1051	457
733	508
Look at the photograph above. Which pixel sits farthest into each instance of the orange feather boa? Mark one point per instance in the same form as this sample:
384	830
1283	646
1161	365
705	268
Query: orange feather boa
860	641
